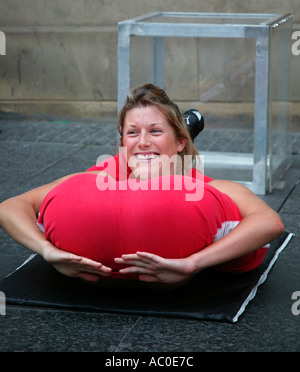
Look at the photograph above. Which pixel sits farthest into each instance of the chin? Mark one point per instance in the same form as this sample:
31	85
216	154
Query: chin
153	169
146	175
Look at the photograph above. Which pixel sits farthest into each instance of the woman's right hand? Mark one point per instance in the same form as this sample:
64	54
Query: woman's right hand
18	219
74	266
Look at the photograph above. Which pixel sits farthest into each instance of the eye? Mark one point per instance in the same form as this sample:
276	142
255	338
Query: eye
155	131
131	132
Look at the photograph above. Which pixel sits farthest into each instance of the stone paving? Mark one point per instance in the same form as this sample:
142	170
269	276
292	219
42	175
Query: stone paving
36	150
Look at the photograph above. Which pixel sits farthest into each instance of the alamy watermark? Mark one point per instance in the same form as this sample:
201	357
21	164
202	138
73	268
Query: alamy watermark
2	43
2	304
296	44
146	171
296	304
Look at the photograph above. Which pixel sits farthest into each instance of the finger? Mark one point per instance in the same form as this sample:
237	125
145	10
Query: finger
57	255
137	257
90	264
119	260
101	270
127	257
137	270
150	256
148	278
82	261
72	257
105	269
161	262
94	272
131	262
139	260
91	268
89	277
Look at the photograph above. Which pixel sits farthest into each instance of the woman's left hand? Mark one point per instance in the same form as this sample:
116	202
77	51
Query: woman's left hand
153	268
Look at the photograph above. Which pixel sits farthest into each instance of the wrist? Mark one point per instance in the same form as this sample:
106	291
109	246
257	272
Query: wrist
193	265
198	262
45	248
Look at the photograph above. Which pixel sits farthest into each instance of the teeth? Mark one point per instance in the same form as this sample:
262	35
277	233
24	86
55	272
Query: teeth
146	156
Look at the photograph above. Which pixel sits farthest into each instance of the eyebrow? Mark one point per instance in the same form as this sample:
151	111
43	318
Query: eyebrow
152	124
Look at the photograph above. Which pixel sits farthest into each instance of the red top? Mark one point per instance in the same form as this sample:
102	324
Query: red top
122	172
95	219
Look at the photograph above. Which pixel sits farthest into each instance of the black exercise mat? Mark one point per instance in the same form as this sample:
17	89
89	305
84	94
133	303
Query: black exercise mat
210	295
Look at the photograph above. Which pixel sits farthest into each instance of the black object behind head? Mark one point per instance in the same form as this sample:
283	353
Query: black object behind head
194	121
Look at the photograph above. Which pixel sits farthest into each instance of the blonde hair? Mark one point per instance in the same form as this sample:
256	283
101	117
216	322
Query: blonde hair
149	94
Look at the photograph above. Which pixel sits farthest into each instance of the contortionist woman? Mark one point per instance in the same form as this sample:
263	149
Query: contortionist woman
145	213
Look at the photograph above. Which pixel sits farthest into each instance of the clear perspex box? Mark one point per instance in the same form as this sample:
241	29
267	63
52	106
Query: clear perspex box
233	68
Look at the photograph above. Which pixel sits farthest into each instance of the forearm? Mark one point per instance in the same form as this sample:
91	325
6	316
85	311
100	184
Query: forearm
18	219
253	232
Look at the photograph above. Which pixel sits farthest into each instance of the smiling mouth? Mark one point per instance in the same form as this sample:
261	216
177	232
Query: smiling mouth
146	156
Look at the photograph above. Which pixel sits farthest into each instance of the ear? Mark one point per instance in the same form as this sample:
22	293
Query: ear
181	144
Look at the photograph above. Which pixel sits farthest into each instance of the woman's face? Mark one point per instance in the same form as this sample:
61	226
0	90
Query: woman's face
151	142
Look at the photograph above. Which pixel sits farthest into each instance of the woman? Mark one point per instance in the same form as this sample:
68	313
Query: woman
152	131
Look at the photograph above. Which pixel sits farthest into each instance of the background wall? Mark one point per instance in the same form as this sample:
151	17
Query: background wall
61	56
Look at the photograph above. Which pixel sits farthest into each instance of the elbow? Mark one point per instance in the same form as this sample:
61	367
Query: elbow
3	212
277	227
271	225
6	209
2	207
282	227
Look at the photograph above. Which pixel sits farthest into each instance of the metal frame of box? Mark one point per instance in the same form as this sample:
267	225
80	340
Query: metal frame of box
258	26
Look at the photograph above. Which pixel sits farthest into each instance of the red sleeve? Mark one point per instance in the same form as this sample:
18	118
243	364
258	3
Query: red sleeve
112	167
108	164
195	173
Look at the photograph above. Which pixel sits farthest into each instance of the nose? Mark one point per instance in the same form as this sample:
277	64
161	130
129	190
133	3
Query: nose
144	139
